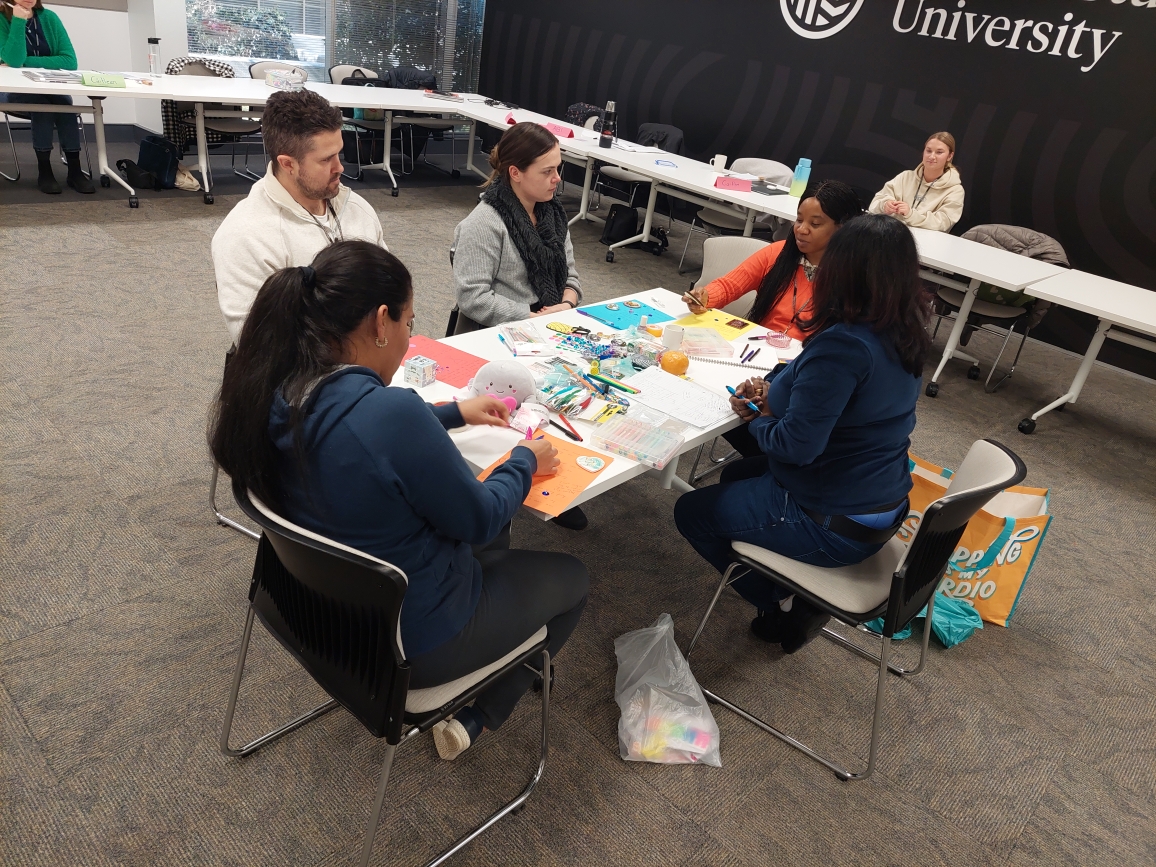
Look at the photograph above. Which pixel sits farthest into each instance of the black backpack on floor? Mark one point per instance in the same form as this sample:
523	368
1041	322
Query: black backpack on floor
138	178
621	223
161	157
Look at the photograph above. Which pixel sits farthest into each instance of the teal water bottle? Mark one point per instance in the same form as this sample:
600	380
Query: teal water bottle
802	175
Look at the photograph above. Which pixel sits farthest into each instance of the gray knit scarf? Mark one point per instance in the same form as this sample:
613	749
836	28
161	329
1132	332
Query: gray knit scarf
542	247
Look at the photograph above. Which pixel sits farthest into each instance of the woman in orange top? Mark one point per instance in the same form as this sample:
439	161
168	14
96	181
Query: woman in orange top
782	274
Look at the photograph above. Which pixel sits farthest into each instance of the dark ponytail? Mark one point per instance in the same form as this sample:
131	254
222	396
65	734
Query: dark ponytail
870	276
840	203
293	337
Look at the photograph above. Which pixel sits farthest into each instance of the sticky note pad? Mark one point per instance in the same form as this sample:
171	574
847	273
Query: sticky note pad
739	185
560	131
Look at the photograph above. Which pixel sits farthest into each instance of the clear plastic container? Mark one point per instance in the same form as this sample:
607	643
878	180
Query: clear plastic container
638	441
706	341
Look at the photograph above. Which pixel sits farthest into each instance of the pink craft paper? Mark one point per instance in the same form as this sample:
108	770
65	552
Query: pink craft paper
737	184
560	131
510	117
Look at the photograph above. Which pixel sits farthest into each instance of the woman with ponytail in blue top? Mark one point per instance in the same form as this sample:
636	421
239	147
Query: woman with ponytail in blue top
307	421
831	485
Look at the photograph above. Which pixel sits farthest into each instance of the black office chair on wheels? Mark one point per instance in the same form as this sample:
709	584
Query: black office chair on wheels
337	612
895	584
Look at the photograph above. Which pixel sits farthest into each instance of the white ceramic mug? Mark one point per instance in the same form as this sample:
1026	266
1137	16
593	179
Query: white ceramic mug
719	163
672	336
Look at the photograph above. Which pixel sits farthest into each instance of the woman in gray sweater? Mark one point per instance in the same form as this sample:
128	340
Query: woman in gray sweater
512	255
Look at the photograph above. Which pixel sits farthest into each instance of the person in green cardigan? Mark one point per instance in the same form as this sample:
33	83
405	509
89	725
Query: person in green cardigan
32	36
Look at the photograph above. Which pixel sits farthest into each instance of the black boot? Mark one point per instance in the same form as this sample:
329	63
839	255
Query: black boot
76	178
802	625
572	519
769	625
45	180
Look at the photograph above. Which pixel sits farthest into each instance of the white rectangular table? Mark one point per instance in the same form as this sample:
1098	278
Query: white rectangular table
481	446
980	263
1115	304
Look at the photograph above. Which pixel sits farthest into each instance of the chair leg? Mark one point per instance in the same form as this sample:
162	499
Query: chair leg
836	638
987	385
255	745
222	519
689	232
15	158
880	690
728	577
505	810
375	816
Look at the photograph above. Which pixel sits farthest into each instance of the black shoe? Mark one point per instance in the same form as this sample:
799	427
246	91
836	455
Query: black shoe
538	680
769	625
572	519
45	180
802	625
76	179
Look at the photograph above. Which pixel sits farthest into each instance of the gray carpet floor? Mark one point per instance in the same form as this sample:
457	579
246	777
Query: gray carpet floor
121	606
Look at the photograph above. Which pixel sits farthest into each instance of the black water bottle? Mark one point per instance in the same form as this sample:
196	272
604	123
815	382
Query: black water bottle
609	123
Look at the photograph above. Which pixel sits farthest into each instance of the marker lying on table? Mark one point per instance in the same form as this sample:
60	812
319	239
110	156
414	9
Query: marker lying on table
566	422
573	436
513	351
749	403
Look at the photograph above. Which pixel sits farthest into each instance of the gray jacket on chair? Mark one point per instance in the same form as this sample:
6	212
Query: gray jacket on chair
1023	242
489	275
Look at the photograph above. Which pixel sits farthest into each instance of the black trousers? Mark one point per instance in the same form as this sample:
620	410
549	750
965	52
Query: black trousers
742	441
521	592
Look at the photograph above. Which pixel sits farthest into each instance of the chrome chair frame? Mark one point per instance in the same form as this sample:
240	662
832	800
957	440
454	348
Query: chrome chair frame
882	659
927	554
414	724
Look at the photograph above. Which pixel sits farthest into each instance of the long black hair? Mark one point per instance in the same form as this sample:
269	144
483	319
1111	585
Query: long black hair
840	203
870	276
293	336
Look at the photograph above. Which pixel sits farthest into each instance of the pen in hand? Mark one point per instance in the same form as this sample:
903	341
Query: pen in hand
754	408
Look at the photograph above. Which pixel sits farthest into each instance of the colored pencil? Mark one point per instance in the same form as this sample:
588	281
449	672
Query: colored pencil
614	383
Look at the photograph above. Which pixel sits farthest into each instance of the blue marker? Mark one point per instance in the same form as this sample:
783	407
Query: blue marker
751	405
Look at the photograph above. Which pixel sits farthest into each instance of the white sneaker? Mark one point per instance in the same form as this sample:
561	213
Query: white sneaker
451	739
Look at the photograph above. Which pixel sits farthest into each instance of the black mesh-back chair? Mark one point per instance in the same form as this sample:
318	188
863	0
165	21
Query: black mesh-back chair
337	612
893	584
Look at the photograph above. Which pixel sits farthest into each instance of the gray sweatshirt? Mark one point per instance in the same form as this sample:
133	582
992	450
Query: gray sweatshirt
489	274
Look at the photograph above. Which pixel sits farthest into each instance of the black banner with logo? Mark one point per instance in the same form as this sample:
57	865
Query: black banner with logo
1053	104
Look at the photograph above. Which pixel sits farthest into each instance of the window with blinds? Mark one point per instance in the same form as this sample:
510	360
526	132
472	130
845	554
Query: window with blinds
439	36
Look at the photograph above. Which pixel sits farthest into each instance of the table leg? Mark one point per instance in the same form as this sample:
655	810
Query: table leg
669	480
644	237
587	182
203	154
953	338
749	228
1029	424
470	152
102	147
387	147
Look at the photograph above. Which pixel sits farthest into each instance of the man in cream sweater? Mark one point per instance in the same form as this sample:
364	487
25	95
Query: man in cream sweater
296	209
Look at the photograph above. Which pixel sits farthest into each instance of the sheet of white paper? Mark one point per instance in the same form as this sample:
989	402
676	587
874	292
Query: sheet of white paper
680	399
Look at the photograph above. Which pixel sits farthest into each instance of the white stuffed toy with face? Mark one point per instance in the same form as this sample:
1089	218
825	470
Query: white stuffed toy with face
503	379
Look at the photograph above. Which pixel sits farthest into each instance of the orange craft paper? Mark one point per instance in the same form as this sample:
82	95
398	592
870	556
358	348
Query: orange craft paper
554	494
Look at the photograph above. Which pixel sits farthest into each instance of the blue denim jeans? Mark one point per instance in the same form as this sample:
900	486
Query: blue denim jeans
43	122
749	505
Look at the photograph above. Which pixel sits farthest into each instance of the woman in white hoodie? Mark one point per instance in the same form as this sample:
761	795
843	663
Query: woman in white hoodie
929	196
